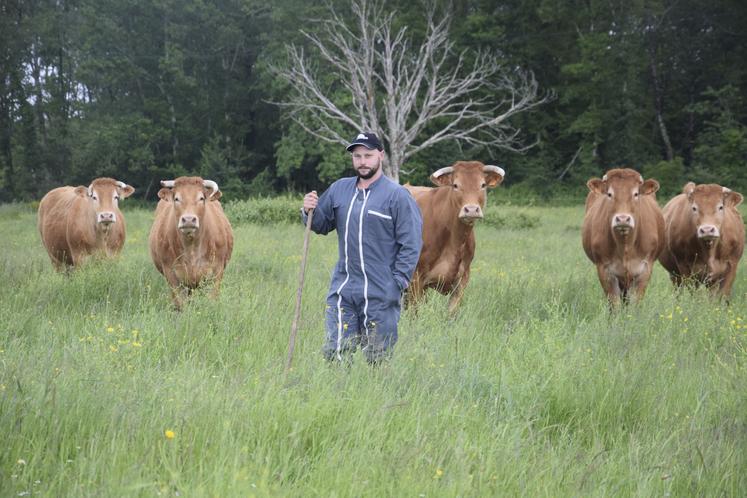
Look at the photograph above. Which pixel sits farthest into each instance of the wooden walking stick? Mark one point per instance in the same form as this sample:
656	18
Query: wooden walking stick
297	315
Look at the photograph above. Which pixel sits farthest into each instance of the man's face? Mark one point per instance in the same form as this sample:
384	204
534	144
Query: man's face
366	162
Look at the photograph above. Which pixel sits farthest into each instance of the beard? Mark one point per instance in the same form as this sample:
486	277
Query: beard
371	172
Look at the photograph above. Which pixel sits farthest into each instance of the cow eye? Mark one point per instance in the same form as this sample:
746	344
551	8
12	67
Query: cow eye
694	209
177	199
95	197
484	185
202	198
455	186
609	194
721	207
635	194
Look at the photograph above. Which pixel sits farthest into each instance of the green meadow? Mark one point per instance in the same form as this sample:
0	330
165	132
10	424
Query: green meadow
533	389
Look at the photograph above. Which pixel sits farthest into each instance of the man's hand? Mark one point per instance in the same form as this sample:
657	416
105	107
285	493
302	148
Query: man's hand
310	201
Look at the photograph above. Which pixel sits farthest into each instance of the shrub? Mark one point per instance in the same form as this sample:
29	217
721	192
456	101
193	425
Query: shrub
501	217
264	211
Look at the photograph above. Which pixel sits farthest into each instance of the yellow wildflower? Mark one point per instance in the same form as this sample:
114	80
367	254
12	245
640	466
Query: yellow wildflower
169	434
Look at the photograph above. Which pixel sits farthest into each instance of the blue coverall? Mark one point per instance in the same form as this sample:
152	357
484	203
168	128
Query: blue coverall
379	233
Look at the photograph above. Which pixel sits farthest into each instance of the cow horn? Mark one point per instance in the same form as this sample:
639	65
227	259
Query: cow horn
167	183
90	190
640	178
211	185
121	185
726	190
604	178
443	171
494	169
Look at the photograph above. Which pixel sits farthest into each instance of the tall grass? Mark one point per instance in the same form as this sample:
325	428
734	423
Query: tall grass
533	389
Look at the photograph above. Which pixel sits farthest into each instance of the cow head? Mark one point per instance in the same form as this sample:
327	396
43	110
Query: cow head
706	205
104	195
468	181
622	190
189	195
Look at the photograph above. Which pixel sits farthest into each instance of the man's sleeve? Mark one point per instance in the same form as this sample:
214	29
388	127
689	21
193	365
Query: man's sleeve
409	237
323	221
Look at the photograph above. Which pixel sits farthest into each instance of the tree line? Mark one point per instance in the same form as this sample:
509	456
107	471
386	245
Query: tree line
143	90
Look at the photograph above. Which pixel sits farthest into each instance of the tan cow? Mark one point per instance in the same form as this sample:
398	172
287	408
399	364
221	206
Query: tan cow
623	232
449	214
191	239
704	237
75	222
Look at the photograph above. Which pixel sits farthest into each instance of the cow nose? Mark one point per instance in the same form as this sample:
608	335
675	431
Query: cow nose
188	221
708	231
106	217
471	211
623	219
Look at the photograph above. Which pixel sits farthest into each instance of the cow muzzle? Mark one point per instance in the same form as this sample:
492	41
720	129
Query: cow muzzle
470	213
623	223
106	218
188	223
708	233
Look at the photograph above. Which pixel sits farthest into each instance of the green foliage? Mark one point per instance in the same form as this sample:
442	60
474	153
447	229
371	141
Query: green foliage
142	91
669	174
503	217
533	389
264	210
721	152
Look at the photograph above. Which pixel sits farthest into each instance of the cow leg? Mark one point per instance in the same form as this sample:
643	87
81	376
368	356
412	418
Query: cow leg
415	292
640	284
216	284
458	293
177	292
76	258
728	280
610	285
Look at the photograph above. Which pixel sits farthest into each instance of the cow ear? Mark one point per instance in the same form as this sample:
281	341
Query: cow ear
443	177
81	191
689	188
650	186
731	198
214	196
493	176
126	191
596	185
166	194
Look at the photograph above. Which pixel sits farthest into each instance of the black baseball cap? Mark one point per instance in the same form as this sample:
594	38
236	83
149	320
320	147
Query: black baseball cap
368	140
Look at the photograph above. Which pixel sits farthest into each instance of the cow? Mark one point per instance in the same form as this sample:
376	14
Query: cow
450	211
191	239
76	222
704	237
623	232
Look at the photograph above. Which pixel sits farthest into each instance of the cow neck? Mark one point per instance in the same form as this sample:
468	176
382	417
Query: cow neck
625	244
462	230
102	236
97	236
706	252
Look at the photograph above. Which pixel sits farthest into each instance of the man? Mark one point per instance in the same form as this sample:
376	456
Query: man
379	231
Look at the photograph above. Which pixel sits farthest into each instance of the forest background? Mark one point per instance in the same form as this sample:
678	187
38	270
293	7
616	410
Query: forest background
143	90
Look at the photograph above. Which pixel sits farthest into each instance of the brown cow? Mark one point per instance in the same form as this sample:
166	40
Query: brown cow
449	214
704	237
191	239
75	222
623	232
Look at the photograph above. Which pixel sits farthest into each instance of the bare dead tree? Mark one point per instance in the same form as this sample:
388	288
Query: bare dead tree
382	82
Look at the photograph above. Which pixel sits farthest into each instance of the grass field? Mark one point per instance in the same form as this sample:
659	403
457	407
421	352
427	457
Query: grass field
534	389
